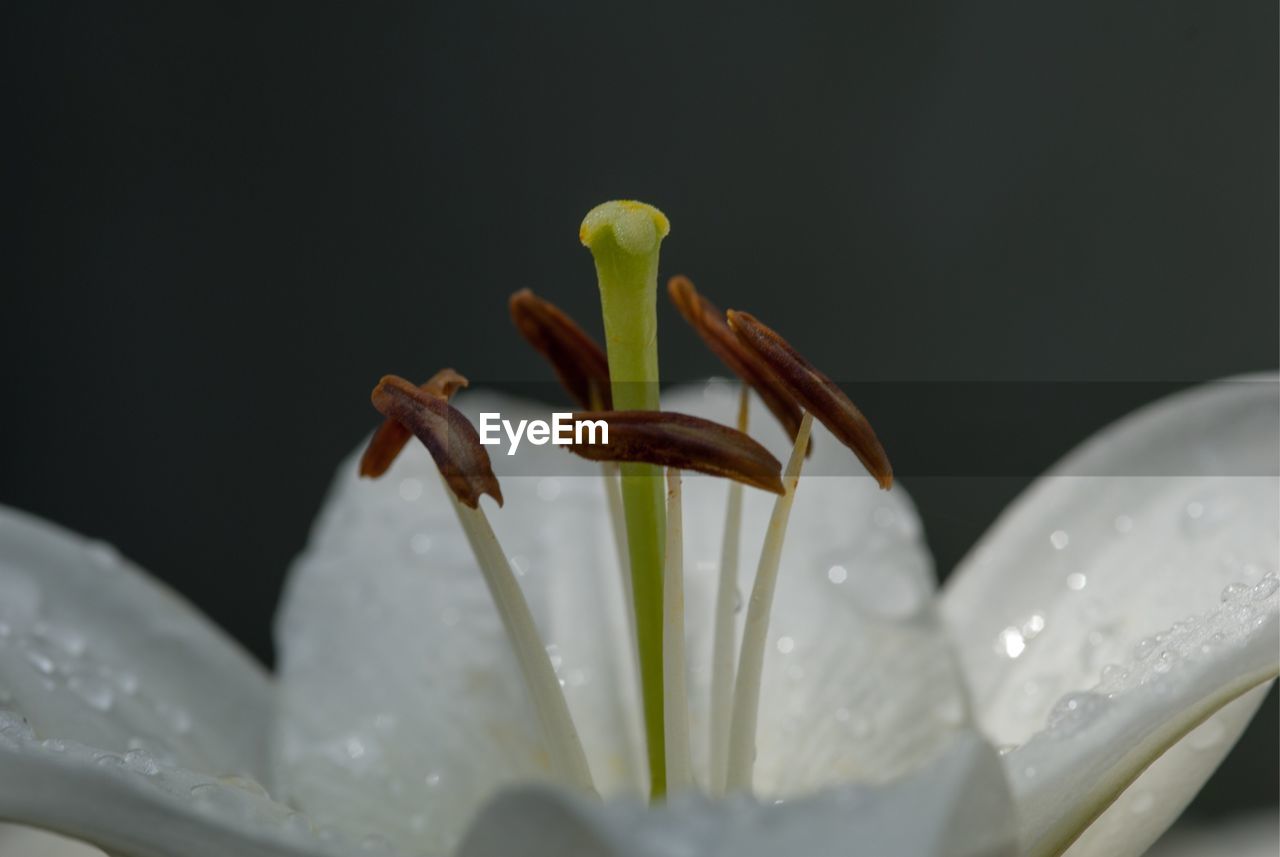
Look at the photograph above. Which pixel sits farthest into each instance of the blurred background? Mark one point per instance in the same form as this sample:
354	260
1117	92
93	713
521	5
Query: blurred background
223	222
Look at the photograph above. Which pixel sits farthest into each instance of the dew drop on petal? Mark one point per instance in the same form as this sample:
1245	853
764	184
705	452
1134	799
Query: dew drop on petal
1010	642
410	489
1059	539
1266	587
1076	581
786	645
1233	592
549	489
837	574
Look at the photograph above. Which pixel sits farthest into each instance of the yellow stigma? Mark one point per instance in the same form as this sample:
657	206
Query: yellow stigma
636	227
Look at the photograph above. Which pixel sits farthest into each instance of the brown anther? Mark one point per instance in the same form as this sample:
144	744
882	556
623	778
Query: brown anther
817	393
445	432
708	322
684	442
578	361
391	437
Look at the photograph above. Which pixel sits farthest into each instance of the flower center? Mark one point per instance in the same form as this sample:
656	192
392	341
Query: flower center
620	387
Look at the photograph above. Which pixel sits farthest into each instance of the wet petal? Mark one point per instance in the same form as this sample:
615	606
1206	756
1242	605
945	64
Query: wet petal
1089	573
138	805
1243	835
957	807
403	707
92	650
1097	743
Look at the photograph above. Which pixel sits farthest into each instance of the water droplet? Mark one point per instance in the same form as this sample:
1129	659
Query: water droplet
837	574
1233	592
1034	625
786	645
1059	539
1144	647
410	489
142	762
549	489
1075	711
40	661
420	543
1029	772
93	690
1266	587
1163	663
1207	735
109	760
1076	581
1113	675
433	779
1010	642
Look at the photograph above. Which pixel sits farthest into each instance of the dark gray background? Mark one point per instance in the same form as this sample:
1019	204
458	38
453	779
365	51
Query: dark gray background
224	222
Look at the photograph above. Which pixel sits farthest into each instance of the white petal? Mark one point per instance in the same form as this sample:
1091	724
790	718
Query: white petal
30	842
138	806
859	681
1142	528
1255	835
92	650
404	709
957	806
1149	806
1098	743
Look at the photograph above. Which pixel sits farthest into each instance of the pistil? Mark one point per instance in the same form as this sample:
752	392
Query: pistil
624	239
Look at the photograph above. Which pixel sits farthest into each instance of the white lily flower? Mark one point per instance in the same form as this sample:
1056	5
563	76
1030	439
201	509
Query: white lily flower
1114	634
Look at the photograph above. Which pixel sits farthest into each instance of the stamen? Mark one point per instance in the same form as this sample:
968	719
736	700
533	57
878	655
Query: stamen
746	696
722	645
464	467
681	441
708	322
817	393
447	435
578	361
676	698
390	438
568	759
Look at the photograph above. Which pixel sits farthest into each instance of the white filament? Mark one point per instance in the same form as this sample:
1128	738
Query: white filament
568	760
722	646
746	696
675	706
